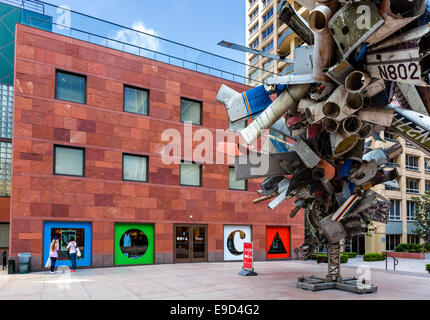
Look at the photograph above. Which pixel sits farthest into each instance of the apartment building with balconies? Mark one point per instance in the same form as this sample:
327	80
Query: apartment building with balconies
266	32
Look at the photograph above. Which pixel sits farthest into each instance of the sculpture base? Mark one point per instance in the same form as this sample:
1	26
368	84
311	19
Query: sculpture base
247	273
316	284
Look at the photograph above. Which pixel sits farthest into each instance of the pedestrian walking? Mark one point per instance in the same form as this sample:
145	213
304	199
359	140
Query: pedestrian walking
72	252
4	259
53	252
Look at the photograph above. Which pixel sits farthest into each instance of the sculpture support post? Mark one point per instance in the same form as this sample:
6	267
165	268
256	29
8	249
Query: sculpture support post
333	278
333	259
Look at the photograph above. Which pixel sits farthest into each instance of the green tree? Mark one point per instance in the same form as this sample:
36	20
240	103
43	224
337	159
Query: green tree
422	218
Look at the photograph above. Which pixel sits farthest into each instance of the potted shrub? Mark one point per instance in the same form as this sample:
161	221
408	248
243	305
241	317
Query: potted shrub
374	257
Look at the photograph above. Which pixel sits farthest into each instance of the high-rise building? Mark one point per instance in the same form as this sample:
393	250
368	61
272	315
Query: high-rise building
266	32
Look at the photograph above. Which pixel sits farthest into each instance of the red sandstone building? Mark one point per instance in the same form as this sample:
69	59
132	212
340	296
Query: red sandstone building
87	126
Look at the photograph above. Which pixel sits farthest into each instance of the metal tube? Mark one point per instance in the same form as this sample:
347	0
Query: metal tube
332	4
342	144
378	116
285	102
330	125
357	81
314	113
324	42
305	103
335	102
351	125
365	131
225	93
354	101
394	151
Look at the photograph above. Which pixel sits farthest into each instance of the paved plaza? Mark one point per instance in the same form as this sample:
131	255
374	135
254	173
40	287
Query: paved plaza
275	280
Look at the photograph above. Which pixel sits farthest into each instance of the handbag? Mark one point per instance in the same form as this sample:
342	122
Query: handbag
78	253
48	263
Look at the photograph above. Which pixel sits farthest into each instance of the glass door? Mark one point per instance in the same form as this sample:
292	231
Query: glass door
182	243
190	243
199	245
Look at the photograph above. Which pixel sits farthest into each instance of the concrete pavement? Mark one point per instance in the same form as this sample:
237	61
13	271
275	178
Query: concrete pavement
276	280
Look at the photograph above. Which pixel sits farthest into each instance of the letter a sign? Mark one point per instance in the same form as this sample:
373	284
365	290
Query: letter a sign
248	260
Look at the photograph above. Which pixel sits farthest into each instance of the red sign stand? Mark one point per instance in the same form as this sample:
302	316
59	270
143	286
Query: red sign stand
248	260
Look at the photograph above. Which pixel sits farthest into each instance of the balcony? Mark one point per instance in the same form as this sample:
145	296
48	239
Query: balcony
43	15
412	168
284	42
412	191
287	70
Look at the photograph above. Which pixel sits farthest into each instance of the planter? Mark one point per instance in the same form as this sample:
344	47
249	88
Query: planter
407	255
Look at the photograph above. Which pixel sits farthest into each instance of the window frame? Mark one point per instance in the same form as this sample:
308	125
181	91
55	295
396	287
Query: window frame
70	73
69	147
388	136
410	190
254	28
266	2
399	208
140	89
395	238
408	211
267	45
201	110
265	15
252	16
137	156
427	165
255	43
200	173
257	59
233	189
232	130
265	34
410	167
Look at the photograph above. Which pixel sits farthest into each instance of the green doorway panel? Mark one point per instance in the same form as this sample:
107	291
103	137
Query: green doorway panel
148	257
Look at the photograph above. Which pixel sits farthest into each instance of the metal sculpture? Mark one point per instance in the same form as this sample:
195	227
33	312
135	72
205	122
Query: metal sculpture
362	53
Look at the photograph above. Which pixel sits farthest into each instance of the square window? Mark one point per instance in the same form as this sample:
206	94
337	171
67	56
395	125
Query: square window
412	186
191	111
412	162
71	87
233	183
136	100
395	210
190	174
135	168
237	126
69	161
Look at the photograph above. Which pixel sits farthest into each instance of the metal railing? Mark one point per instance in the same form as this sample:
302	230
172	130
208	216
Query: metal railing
32	5
395	260
134	41
412	168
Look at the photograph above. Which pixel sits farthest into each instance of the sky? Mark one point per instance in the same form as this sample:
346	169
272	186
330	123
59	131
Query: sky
197	23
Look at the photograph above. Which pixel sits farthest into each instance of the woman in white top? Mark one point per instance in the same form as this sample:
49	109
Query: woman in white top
72	252
53	252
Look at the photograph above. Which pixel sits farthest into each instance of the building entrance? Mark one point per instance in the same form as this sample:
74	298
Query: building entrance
190	243
356	244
